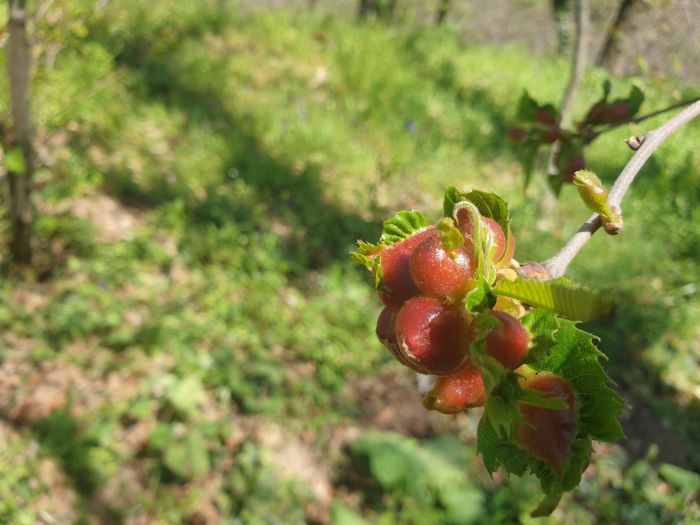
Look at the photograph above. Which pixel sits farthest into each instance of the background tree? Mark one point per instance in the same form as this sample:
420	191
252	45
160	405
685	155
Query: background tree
561	10
383	9
442	11
611	56
19	147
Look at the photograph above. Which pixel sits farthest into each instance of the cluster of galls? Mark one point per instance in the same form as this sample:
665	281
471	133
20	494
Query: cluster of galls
424	323
426	327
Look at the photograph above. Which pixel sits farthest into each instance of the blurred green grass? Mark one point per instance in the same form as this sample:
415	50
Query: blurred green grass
249	153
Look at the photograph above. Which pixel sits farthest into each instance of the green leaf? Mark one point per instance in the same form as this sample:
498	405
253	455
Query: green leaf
186	394
560	348
487	203
542	326
581	450
571	354
480	297
503	405
399	227
569	300
463	503
635	100
368	249
188	456
450	236
14	160
555	183
528	155
491	370
161	436
502	412
372	263
482	241
452	197
685	480
402	225
341	515
536	398
527	107
547	505
497	451
411	468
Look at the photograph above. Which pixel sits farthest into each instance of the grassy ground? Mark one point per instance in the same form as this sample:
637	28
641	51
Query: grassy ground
194	345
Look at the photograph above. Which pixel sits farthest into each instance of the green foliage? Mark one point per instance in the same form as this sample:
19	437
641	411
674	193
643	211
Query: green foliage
16	479
450	236
187	456
402	225
558	347
341	515
563	349
14	160
489	205
421	472
480	297
257	496
539	125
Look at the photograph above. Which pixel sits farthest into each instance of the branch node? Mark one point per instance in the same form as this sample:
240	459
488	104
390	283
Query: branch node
534	270
614	223
635	142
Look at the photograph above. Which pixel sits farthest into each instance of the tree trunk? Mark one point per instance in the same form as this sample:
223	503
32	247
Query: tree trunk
611	53
387	9
19	64
366	6
382	9
442	11
560	11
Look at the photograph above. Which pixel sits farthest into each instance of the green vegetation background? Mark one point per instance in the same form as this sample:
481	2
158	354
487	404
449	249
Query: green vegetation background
194	345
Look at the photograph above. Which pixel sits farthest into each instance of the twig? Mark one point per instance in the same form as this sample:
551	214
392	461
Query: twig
557	265
578	67
41	10
642	118
580	59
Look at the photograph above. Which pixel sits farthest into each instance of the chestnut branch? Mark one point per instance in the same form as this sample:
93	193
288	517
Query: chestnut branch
557	265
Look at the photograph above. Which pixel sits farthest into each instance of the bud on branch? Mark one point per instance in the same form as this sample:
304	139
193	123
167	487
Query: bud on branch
595	197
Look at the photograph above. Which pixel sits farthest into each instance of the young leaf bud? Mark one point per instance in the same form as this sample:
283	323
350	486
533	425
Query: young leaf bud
595	196
592	191
450	236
